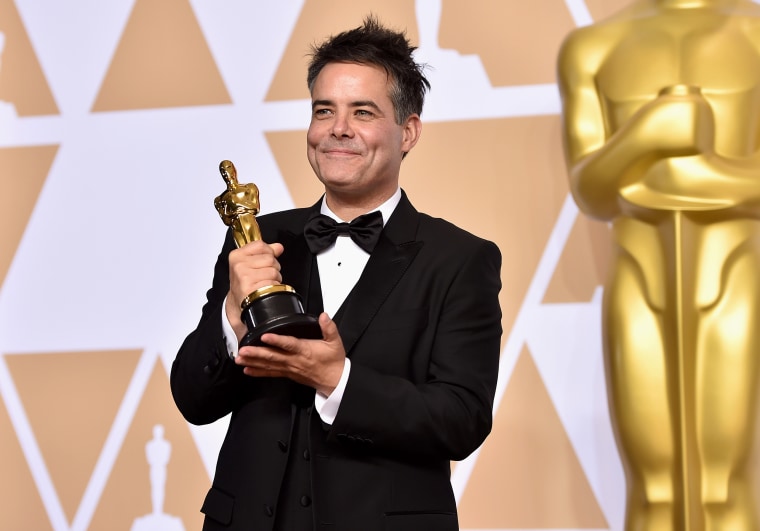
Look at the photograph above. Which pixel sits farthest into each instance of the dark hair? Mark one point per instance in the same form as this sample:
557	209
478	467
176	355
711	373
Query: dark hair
373	44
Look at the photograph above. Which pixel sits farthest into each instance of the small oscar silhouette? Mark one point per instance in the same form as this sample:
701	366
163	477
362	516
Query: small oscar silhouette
272	309
158	451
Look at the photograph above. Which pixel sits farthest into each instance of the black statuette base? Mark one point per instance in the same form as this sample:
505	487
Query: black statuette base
281	313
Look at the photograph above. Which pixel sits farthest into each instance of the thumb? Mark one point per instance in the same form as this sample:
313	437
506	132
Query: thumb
277	249
329	328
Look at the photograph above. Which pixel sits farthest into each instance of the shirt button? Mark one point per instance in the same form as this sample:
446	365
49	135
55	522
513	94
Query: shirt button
306	455
268	510
305	501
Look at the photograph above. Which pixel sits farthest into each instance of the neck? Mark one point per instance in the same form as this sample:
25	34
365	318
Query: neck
349	211
349	207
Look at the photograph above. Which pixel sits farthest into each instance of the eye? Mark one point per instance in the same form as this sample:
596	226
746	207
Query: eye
364	113
322	113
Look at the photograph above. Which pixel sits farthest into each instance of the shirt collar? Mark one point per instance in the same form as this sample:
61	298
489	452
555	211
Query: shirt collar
386	209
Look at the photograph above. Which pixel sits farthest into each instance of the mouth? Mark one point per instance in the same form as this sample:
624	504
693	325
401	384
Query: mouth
338	148
339	152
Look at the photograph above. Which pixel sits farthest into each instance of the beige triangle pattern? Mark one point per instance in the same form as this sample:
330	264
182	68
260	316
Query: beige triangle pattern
514	205
72	417
17	484
22	83
501	32
23	172
303	186
157	66
127	495
527	475
319	19
584	263
601	9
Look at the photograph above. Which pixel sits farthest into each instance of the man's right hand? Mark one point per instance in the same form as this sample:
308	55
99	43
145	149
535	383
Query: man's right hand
252	266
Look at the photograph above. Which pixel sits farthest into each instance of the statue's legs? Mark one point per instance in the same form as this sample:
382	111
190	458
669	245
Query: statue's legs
245	229
727	367
641	400
682	372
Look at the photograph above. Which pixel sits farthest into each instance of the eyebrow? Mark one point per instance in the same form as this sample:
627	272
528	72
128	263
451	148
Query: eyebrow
360	103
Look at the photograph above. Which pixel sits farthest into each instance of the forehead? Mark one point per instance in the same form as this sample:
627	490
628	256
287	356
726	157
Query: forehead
350	78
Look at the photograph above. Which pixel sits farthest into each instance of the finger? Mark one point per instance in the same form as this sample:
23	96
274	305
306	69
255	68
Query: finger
254	247
264	371
277	249
266	362
294	344
260	247
257	357
244	258
286	343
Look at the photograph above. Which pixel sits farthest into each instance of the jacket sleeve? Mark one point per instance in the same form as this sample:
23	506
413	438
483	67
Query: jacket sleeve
206	384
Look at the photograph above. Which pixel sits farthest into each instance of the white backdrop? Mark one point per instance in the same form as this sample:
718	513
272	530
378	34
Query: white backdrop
109	237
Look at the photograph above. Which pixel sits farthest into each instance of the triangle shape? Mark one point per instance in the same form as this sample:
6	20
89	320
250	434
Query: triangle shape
126	501
499	33
24	91
17	483
317	21
155	68
602	9
24	171
584	262
527	474
71	428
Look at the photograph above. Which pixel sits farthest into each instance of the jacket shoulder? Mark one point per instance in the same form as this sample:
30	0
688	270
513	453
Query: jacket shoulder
291	221
446	233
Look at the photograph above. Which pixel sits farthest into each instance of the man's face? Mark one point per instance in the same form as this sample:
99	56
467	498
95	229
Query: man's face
354	144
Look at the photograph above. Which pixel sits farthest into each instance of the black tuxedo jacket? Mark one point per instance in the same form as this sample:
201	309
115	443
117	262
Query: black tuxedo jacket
422	328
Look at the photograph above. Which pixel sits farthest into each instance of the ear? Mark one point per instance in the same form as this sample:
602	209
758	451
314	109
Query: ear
411	133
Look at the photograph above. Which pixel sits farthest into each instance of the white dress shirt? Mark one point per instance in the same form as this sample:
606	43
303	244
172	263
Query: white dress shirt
340	267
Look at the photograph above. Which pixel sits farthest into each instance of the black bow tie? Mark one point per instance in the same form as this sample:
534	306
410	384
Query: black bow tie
321	231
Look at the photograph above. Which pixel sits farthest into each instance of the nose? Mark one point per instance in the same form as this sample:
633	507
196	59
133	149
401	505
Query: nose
341	126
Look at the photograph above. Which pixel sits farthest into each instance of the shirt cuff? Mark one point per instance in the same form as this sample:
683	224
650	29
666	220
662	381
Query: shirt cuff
327	406
230	338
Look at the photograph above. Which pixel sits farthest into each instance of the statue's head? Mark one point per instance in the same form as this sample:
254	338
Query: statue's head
229	174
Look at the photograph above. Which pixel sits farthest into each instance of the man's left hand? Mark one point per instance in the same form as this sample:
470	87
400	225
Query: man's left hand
317	363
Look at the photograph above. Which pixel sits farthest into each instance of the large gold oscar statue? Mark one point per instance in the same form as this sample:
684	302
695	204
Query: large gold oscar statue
661	110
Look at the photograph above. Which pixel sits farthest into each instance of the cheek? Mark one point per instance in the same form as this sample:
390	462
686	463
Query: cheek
312	137
311	144
311	155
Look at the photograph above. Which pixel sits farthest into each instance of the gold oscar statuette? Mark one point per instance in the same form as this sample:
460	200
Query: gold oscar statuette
273	309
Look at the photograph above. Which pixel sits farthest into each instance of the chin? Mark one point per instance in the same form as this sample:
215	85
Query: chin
339	187
338	180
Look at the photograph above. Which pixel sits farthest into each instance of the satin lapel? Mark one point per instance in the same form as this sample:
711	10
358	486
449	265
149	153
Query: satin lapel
395	251
296	260
296	264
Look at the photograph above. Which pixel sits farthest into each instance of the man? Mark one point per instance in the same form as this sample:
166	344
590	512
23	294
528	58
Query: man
355	431
661	132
